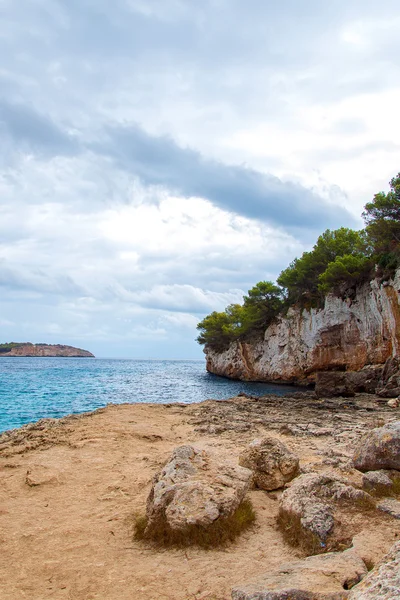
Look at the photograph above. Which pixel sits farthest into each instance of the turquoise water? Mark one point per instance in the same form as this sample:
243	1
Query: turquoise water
33	388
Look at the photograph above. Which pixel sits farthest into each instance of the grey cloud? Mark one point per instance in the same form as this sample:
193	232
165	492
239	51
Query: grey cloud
160	161
29	128
37	281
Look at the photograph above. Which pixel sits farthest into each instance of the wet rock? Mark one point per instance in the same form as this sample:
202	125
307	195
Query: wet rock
390	506
383	582
323	577
379	449
307	508
271	462
195	488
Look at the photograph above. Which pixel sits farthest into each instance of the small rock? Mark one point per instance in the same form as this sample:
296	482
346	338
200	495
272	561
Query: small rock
393	403
40	475
195	488
323	577
383	582
390	506
379	449
272	463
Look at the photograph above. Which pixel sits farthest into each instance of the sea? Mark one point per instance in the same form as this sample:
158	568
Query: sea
36	388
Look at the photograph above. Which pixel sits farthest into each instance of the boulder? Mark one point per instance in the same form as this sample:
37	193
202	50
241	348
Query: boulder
389	384
307	508
380	483
194	488
383	582
323	577
365	380
347	383
333	383
272	463
379	449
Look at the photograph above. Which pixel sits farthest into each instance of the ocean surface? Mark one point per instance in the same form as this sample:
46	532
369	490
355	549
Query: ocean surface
33	388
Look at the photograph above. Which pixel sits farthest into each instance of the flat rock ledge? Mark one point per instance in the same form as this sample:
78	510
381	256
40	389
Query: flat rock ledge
272	463
383	582
307	509
324	577
194	489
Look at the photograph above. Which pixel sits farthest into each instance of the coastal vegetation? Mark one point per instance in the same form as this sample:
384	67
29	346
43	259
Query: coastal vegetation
220	534
9	346
339	261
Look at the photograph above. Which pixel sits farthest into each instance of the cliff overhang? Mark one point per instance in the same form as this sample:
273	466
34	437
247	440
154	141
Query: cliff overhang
356	335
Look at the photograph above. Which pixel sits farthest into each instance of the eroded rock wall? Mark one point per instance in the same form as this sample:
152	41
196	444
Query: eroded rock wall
344	335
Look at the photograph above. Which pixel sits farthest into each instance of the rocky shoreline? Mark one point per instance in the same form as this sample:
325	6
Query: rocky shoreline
351	336
71	489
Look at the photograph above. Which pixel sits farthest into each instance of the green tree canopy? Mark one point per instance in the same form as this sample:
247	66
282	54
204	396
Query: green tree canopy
262	303
339	260
301	278
382	218
344	270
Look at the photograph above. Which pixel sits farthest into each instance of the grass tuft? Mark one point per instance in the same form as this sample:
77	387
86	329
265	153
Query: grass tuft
295	535
220	533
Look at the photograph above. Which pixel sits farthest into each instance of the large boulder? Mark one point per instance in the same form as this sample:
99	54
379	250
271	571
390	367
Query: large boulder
194	489
389	384
379	449
323	577
272	463
383	582
307	509
333	383
347	383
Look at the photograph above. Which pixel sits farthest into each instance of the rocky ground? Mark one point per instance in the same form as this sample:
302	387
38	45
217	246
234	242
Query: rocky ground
70	489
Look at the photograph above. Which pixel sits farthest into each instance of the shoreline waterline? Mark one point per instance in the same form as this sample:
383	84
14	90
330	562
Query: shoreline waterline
33	388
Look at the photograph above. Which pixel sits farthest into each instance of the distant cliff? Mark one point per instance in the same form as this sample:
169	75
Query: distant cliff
29	349
345	335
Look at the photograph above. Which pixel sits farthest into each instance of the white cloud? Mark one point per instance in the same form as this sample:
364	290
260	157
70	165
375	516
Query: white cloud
99	245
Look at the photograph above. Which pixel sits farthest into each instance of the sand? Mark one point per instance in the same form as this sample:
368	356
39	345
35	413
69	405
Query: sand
70	489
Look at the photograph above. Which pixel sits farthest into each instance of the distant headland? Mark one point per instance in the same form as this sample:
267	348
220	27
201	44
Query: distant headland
29	349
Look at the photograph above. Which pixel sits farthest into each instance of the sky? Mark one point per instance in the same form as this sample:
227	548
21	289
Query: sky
160	157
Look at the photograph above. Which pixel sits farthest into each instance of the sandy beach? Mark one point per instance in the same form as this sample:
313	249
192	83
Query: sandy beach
70	489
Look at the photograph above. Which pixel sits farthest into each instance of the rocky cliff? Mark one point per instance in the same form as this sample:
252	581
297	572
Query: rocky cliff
29	349
346	335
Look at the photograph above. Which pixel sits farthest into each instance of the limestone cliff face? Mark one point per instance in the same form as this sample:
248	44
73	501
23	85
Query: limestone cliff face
344	335
28	349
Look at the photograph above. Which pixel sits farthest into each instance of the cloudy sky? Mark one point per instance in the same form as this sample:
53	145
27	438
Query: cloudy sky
159	157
